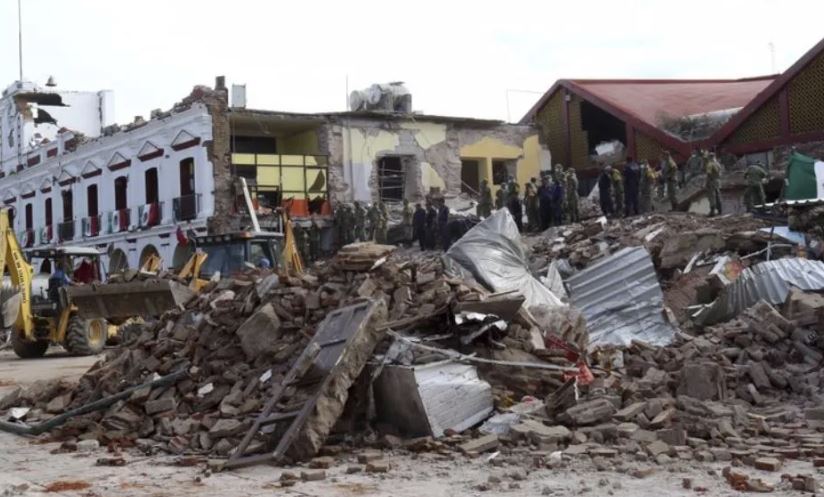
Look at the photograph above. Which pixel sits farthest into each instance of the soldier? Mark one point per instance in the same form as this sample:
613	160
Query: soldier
558	173
756	176
545	202
301	243
382	223
712	185
669	171
406	223
571	192
515	207
605	191
485	203
359	217
617	190
695	164
443	224
314	240
339	227
531	201
431	225
373	214
499	198
419	226
632	178
558	198
646	182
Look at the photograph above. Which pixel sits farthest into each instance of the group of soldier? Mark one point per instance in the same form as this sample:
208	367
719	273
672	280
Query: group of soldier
356	223
553	202
630	192
430	224
307	241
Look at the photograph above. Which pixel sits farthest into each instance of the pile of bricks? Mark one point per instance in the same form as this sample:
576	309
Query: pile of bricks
237	340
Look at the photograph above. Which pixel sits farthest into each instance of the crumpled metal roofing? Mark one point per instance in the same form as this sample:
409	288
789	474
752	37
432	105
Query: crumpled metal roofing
622	300
769	281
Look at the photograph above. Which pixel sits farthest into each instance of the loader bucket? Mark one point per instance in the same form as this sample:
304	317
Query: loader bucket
111	301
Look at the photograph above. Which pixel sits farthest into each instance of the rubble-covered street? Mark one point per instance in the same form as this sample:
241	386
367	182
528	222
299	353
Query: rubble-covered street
393	369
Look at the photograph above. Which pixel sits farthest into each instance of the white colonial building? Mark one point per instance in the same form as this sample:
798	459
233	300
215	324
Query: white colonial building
71	178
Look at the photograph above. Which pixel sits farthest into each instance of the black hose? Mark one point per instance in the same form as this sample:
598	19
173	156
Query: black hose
97	405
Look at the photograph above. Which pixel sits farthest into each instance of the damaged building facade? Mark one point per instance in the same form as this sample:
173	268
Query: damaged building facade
128	190
742	120
374	156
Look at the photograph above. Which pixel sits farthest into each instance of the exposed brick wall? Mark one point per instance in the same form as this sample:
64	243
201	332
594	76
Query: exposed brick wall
225	218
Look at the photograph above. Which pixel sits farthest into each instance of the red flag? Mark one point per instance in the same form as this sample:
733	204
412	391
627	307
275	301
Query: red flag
181	237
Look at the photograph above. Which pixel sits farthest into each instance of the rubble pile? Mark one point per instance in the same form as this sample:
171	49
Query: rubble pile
453	366
240	336
672	239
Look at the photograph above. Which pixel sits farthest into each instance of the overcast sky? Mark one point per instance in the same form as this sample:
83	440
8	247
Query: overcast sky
457	58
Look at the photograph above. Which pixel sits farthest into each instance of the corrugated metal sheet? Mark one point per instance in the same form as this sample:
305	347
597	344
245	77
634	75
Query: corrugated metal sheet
769	281
622	300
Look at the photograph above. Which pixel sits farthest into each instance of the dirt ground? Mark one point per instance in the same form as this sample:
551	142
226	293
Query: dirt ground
28	468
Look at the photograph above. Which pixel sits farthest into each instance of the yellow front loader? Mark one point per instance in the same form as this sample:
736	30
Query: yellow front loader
76	316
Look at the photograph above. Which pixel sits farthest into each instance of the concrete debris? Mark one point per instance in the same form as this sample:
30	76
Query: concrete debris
745	392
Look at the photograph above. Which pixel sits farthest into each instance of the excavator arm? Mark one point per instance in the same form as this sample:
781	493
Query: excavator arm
16	309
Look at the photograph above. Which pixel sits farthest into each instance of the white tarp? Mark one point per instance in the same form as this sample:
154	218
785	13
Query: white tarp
493	254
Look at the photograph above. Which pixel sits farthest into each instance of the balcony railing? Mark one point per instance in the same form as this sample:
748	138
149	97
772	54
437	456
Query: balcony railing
91	226
65	230
186	208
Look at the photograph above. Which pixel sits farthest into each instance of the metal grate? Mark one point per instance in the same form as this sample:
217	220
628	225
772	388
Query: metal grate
762	125
647	148
579	139
806	94
550	120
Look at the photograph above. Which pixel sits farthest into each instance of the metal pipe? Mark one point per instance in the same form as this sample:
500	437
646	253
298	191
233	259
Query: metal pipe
23	429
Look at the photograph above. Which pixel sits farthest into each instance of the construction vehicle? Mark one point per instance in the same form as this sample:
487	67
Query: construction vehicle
41	310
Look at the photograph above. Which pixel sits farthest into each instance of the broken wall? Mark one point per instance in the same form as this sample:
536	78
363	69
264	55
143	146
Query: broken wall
430	151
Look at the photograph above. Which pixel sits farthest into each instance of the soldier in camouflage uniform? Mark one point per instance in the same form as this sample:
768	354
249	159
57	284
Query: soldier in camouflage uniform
314	240
645	185
382	225
485	201
499	198
301	243
669	171
756	176
406	222
531	202
617	191
695	164
359	215
571	191
373	216
339	226
712	185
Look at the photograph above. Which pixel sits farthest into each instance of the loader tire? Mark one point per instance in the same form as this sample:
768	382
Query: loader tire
85	336
26	349
128	333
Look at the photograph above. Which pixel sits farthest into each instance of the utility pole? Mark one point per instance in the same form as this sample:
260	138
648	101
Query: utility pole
20	37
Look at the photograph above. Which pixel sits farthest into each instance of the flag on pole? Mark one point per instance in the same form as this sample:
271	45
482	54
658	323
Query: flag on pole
805	178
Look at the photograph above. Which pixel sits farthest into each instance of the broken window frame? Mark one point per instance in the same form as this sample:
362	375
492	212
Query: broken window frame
307	166
383	179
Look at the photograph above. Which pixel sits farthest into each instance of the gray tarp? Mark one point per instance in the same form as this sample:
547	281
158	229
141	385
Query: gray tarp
493	254
621	299
769	281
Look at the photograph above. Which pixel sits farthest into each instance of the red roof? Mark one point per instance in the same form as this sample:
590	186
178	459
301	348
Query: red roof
770	91
643	102
649	100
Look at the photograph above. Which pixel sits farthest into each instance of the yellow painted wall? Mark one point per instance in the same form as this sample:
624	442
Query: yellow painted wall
430	178
305	143
427	134
528	157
